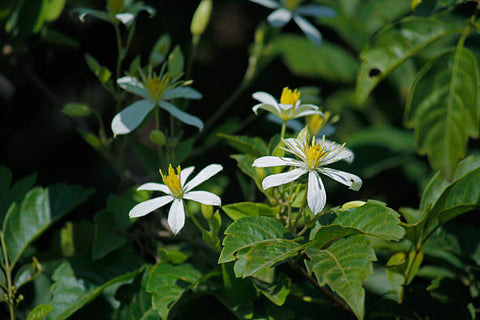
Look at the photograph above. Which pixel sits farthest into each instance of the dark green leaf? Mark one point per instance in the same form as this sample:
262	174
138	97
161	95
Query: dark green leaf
393	45
343	267
443	108
168	283
27	273
278	291
252	146
39	209
244	209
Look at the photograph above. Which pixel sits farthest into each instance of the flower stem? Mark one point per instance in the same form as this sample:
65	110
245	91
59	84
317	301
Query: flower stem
300	211
8	274
284	128
195	221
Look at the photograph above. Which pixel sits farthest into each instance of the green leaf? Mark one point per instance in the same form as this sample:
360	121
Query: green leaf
372	218
159	50
27	273
176	62
252	146
393	45
168	283
245	162
39	209
76	110
40	312
304	58
250	231
102	73
12	193
244	209
343	267
83	12
278	291
443	108
237	294
51	9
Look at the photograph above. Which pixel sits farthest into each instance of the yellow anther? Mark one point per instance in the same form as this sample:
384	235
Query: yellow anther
157	86
172	181
292	4
315	153
289	96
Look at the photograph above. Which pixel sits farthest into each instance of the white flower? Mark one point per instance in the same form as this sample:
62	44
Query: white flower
155	90
289	107
285	10
177	189
313	159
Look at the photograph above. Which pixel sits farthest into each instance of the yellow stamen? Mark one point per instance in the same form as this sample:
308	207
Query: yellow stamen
315	153
289	96
292	4
172	181
157	86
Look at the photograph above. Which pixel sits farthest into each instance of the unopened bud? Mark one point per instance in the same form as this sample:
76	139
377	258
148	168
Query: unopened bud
201	17
158	138
76	110
316	122
115	6
207	211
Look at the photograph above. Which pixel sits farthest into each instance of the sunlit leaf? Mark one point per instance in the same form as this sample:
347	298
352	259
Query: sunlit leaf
244	209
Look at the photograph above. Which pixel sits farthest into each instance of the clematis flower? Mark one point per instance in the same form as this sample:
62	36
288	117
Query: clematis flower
177	190
288	108
155	91
285	10
313	159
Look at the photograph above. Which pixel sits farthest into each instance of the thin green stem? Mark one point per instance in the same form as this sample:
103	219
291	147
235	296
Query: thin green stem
300	211
191	56
8	275
284	128
195	221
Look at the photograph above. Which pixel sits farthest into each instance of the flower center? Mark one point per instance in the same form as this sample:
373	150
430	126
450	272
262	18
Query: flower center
292	4
157	86
314	154
290	97
172	181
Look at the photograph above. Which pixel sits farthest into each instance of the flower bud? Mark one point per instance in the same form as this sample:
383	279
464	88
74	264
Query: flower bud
115	6
158	138
352	204
76	110
201	17
207	211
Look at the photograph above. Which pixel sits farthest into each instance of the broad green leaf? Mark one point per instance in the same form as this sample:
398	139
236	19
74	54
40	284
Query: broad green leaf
443	108
343	267
252	146
39	209
304	58
278	291
176	62
245	162
111	222
249	231
244	209
40	312
12	193
394	139
78	283
393	45
51	9
168	283
27	273
102	73
238	292
372	218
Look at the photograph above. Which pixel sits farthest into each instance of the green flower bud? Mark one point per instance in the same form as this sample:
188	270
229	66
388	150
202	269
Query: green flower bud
115	6
76	110
207	211
201	17
158	138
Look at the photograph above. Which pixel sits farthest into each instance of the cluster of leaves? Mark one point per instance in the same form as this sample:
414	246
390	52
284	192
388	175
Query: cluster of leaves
268	256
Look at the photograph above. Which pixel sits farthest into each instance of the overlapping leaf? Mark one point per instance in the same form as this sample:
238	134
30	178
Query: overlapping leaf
244	209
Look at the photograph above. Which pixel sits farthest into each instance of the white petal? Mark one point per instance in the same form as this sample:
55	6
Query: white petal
132	85
310	31
125	18
268	107
130	118
264	97
271	161
282	178
182	92
182	116
348	179
204	197
306	113
279	17
313	10
185	173
295	146
267	3
152	186
176	216
316	196
148	206
341	153
203	175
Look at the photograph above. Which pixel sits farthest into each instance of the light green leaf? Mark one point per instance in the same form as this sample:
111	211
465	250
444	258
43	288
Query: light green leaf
249	231
168	283
304	58
252	146
343	267
244	209
39	209
443	108
102	73
27	273
40	312
51	9
176	62
76	110
393	45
